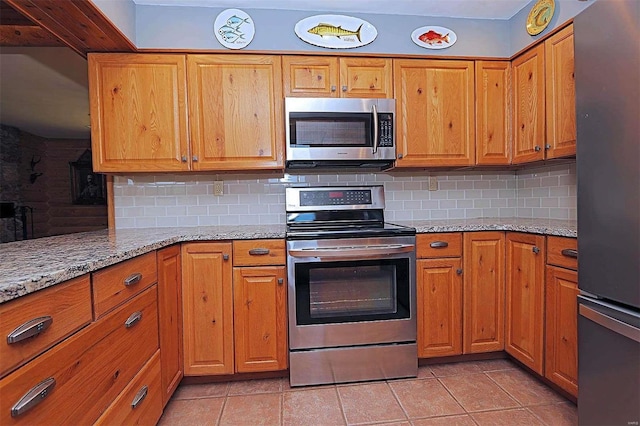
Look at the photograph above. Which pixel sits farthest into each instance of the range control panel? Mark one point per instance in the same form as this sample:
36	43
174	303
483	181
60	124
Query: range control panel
334	197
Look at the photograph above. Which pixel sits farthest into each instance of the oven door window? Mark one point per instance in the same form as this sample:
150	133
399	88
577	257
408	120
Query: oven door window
335	292
331	130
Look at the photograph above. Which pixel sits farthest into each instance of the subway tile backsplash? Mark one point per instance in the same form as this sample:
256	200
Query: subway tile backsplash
188	200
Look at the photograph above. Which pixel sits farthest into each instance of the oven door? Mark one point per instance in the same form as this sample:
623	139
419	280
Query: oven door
346	292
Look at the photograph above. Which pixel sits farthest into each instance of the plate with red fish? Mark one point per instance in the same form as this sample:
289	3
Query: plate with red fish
335	31
433	37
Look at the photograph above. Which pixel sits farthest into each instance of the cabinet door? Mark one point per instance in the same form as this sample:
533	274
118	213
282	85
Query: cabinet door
435	113
484	291
528	106
170	319
260	318
439	295
207	308
561	94
493	113
236	109
314	76
366	78
525	299
561	341
138	112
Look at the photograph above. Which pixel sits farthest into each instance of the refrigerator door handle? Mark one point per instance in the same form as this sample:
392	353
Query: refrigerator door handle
612	324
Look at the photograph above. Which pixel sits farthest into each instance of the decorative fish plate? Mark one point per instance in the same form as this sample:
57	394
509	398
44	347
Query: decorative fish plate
335	31
234	28
540	16
434	37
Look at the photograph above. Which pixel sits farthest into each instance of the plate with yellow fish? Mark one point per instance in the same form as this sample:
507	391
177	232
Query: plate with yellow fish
433	37
335	31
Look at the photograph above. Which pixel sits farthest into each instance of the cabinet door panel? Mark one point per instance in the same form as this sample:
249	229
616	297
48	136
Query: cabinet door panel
260	318
525	299
366	78
435	113
314	76
493	112
236	109
561	94
439	294
561	348
528	104
484	291
138	112
207	308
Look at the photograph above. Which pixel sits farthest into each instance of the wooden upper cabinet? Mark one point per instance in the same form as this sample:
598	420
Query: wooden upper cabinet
493	113
528	106
138	112
332	77
525	299
435	112
561	94
236	109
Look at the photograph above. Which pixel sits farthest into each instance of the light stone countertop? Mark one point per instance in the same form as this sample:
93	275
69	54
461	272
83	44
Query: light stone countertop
32	265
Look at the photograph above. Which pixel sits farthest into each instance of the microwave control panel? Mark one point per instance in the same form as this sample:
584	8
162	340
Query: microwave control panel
385	127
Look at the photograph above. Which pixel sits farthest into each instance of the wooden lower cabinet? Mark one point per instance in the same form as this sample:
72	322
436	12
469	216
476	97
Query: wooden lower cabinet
484	288
207	308
525	299
260	318
170	319
561	341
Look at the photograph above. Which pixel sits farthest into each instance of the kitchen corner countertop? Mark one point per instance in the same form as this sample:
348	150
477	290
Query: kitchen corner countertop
32	265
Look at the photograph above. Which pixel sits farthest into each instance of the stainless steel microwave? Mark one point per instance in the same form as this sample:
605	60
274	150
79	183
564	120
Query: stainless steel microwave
340	133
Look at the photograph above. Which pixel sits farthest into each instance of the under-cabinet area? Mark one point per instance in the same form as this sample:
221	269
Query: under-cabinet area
217	308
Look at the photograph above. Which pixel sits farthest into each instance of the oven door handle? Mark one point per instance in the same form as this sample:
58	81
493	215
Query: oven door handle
351	252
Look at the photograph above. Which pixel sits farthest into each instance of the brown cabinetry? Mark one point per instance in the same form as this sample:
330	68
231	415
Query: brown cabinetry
322	76
493	113
525	299
435	112
561	309
439	294
484	291
170	319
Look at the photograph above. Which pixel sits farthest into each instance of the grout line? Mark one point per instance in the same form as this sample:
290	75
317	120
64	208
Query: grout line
393	392
344	415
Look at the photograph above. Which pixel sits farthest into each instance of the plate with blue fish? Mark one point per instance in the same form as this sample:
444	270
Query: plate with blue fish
234	28
335	31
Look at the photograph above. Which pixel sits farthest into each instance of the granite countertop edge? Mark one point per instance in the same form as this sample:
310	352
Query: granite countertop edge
32	265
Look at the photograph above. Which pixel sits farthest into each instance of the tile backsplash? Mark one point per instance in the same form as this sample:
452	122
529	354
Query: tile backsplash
167	200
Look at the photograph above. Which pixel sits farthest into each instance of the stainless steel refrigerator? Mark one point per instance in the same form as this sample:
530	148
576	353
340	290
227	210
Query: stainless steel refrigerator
607	73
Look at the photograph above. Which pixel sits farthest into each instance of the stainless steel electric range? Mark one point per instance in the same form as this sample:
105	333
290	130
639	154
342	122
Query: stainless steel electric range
352	287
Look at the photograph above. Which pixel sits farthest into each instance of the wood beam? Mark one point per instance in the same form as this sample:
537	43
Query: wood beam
27	35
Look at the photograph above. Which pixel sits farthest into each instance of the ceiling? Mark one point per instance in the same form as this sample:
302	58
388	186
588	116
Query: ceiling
44	90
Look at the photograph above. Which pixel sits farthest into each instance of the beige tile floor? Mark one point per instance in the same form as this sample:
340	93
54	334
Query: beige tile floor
494	392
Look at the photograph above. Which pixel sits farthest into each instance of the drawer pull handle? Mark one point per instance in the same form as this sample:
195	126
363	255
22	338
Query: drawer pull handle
439	244
259	251
140	396
133	319
570	253
33	397
30	328
133	279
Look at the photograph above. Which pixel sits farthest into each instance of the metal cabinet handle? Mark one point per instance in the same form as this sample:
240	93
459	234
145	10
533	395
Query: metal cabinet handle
280	281
439	244
184	159
140	396
537	148
535	249
30	328
225	257
34	397
333	88
459	271
570	253
344	88
399	156
133	279
259	251
195	158
133	319
547	146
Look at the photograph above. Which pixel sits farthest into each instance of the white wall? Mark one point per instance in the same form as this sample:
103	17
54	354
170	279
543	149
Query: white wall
188	200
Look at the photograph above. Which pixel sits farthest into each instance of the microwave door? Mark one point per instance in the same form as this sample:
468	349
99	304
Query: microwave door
376	124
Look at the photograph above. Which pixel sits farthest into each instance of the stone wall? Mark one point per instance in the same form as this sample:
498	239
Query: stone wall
10	180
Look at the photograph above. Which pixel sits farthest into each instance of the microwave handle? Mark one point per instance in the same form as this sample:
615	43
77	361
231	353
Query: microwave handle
374	111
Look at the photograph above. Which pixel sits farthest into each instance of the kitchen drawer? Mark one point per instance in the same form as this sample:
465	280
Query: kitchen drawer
145	391
59	311
90	368
439	245
259	252
562	251
117	283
